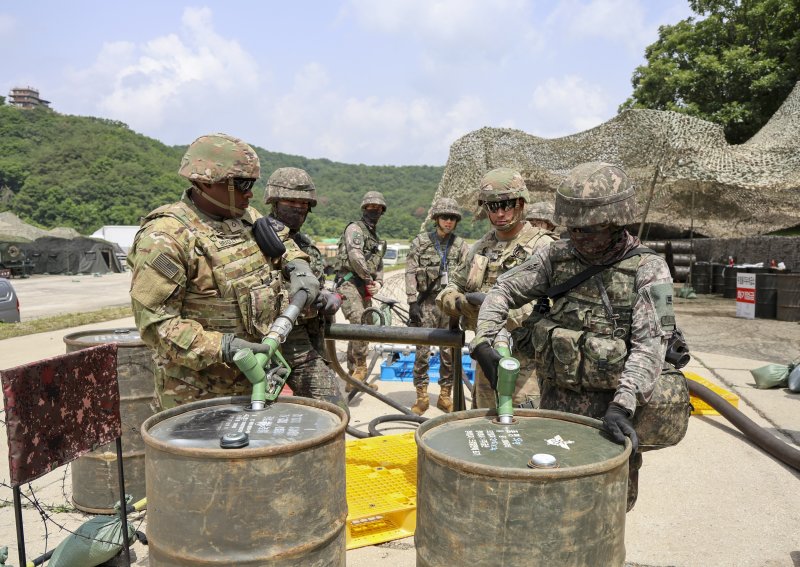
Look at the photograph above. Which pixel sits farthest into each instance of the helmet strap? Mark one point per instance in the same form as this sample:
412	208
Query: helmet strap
231	207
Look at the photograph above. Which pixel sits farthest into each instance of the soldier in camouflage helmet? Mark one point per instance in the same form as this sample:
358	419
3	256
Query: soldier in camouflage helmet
608	333
202	289
503	195
541	215
292	194
359	274
431	258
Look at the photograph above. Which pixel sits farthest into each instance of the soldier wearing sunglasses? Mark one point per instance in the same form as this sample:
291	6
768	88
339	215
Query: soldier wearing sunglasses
502	197
431	259
203	287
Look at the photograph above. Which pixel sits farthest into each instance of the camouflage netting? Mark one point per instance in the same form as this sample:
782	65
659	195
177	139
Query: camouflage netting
739	190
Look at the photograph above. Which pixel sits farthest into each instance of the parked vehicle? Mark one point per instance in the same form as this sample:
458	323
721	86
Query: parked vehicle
395	254
9	302
14	262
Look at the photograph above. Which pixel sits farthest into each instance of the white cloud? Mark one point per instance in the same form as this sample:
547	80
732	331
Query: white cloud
618	21
170	78
569	104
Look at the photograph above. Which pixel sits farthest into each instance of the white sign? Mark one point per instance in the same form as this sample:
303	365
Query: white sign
746	295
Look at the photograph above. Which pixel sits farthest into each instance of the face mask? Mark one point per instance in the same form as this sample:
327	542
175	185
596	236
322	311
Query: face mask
593	242
292	217
372	217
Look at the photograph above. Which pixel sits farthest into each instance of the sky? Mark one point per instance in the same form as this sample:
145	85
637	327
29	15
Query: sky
378	82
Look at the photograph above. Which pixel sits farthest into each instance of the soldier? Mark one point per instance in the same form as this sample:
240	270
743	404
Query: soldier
359	274
503	196
540	215
292	194
202	287
609	332
433	255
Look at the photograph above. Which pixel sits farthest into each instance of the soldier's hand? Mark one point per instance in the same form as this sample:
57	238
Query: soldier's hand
467	309
231	345
414	314
449	302
302	277
487	358
373	288
618	424
328	302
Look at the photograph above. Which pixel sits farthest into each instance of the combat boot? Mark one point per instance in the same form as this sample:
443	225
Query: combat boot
445	402
422	403
360	374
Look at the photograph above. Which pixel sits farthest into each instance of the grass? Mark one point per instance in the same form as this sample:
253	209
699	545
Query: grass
56	322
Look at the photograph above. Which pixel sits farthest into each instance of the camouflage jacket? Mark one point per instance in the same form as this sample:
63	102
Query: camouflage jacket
195	278
360	253
426	258
490	257
578	345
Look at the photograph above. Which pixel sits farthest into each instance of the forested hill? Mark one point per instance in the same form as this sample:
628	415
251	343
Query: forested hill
84	172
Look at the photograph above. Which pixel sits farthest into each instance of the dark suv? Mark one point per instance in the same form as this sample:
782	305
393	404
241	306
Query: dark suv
9	303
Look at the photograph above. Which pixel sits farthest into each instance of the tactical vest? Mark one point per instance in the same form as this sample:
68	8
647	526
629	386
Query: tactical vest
489	262
371	248
429	262
249	289
315	259
577	345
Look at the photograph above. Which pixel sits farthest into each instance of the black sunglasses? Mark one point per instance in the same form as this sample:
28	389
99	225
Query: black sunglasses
243	184
448	217
506	205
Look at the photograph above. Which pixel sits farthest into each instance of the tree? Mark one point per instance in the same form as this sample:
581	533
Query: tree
734	66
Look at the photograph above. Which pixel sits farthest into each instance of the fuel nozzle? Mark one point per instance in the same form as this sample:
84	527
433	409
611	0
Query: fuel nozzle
507	372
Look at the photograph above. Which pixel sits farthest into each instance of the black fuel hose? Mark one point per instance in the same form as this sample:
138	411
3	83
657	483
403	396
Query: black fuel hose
762	439
373	425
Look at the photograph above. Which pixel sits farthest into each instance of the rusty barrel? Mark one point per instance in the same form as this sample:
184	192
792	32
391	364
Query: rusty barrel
231	486
788	297
549	489
95	486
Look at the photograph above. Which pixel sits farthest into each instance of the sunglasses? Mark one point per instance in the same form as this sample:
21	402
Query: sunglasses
243	184
590	229
506	205
448	217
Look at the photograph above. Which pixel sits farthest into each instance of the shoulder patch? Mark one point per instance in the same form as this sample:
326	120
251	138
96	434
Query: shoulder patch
164	265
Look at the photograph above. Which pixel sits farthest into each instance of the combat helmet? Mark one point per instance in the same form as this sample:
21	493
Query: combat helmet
217	157
291	183
445	206
373	198
543	210
502	184
595	193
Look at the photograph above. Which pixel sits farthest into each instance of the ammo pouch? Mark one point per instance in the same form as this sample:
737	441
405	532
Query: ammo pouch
663	421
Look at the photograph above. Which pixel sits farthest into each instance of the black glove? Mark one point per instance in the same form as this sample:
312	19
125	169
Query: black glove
618	424
414	314
231	345
301	277
487	358
328	302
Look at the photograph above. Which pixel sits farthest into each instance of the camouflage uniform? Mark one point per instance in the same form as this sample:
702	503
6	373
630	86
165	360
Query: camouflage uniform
196	278
429	261
304	348
359	261
488	258
585	359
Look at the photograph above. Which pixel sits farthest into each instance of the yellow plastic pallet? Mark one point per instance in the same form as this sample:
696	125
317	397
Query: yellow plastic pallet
702	408
381	489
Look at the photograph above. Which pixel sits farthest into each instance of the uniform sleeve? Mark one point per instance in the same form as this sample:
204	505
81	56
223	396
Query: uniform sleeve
412	262
354	244
652	324
159	261
514	289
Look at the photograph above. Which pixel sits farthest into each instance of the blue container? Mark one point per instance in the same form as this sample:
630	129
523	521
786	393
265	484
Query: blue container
402	369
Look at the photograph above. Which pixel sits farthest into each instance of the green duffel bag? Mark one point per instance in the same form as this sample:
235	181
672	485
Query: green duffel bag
664	420
771	376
